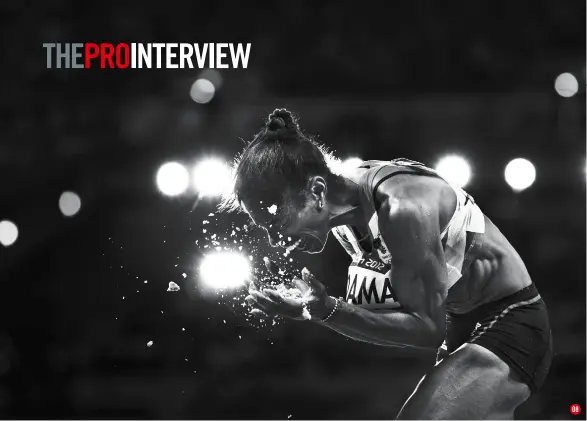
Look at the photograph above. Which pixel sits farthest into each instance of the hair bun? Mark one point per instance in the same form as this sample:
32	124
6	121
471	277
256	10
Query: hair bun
276	123
281	119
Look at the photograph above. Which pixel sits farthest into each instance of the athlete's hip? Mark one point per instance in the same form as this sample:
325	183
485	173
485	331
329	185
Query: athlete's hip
516	328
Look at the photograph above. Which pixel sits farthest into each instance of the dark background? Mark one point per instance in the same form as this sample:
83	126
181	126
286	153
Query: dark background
416	79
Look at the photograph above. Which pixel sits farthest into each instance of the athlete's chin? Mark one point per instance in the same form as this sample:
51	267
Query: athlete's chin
313	245
314	251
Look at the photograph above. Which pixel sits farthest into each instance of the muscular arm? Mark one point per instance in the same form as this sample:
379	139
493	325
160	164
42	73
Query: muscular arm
410	228
358	336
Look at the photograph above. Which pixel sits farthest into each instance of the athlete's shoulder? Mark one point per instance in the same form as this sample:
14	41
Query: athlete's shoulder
377	172
384	179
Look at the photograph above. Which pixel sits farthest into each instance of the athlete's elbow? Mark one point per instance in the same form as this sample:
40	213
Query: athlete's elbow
431	340
436	338
433	333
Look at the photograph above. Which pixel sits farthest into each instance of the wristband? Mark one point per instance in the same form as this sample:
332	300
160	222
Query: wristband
336	305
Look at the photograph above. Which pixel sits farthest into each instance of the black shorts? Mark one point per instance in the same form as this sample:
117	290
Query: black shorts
515	328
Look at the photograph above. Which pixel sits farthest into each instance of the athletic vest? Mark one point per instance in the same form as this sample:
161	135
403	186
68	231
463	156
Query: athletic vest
369	282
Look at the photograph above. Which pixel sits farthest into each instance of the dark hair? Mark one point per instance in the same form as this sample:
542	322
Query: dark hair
279	159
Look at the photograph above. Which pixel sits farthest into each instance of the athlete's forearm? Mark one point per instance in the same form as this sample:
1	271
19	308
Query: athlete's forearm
362	338
393	328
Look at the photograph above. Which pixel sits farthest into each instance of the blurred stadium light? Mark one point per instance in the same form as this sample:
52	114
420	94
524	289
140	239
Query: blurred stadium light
352	162
211	177
566	85
455	169
69	203
224	269
202	91
340	167
520	174
172	179
8	233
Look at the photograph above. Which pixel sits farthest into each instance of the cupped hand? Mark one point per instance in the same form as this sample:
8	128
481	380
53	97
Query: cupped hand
305	299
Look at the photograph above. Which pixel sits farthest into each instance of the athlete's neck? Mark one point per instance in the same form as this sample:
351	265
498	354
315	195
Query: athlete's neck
344	202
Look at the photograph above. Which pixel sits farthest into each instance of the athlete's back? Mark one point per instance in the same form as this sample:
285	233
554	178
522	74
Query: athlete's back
481	264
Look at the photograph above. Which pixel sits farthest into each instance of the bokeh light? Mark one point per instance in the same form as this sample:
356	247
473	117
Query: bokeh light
352	162
520	174
173	179
8	233
211	177
69	203
454	169
202	91
224	269
341	167
566	85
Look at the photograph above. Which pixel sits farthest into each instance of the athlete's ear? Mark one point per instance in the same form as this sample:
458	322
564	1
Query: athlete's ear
318	188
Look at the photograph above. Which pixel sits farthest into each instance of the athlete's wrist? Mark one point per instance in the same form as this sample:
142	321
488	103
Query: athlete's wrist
324	310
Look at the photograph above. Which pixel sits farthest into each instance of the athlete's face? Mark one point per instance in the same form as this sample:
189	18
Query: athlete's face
300	223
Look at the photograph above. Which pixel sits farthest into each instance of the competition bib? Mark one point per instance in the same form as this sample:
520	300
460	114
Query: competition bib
369	276
369	285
